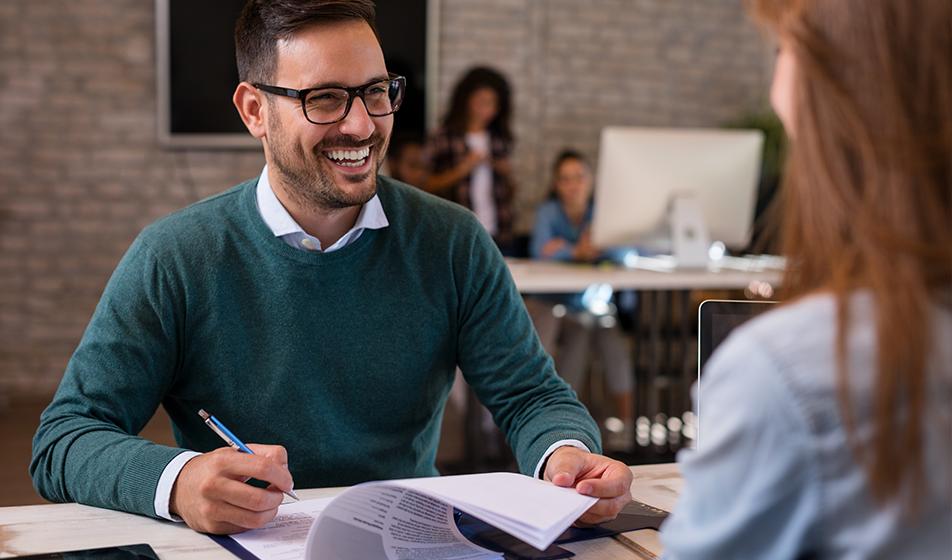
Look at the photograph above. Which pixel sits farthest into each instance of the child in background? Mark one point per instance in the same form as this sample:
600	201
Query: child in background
567	328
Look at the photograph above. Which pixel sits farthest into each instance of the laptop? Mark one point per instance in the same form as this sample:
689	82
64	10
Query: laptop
716	318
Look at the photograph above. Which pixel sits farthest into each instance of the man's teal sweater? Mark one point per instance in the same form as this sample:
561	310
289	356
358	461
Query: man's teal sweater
345	358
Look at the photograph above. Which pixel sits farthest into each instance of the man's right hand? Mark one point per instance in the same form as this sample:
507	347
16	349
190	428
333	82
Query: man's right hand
210	493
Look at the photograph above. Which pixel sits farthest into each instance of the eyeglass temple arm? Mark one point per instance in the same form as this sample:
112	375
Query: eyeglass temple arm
287	92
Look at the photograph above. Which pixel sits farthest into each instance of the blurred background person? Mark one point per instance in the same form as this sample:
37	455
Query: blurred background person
406	160
568	327
826	430
469	153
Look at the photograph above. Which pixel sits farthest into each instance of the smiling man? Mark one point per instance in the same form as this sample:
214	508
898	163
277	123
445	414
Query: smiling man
318	309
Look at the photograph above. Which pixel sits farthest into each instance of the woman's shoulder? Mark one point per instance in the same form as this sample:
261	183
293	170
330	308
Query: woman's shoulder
501	143
793	341
443	134
785	325
789	333
790	354
443	143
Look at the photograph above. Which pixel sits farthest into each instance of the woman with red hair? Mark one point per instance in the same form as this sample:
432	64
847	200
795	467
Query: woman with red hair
826	429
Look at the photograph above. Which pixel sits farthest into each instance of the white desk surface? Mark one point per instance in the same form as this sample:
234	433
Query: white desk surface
555	277
57	527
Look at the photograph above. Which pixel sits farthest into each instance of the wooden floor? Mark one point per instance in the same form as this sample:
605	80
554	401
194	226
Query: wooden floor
18	422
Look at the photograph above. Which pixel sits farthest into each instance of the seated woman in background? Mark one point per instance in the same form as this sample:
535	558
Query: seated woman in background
826	429
469	154
562	232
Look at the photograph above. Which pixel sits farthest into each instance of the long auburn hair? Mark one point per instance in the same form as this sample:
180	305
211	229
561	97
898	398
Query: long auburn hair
866	198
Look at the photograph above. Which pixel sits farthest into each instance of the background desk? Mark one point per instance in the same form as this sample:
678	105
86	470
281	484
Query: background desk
664	329
50	528
539	277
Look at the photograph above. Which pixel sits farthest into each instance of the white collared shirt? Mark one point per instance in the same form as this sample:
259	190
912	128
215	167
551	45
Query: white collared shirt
283	225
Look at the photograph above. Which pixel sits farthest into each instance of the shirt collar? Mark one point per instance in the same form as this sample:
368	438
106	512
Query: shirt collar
276	216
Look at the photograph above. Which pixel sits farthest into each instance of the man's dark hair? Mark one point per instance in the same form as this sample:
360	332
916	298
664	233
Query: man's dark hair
263	23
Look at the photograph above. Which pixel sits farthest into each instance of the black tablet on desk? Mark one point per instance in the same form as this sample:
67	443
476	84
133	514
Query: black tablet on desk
124	552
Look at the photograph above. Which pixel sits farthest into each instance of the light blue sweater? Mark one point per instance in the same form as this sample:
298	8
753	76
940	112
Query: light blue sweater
774	478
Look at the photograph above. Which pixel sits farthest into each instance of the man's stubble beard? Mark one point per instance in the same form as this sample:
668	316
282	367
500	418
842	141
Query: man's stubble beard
307	179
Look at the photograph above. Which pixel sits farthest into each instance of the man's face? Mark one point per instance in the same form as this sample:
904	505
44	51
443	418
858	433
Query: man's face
333	166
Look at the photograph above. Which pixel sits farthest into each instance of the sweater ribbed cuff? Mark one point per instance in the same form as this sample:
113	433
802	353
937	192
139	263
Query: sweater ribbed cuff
538	448
141	475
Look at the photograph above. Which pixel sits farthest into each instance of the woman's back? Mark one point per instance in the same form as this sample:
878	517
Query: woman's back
822	423
775	477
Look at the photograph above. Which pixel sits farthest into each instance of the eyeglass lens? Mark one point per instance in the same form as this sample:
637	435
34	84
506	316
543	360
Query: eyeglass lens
329	104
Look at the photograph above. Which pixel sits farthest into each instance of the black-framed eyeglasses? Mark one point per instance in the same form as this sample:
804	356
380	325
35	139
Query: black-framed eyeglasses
328	105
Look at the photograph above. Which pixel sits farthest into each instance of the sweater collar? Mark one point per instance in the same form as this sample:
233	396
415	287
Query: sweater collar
280	222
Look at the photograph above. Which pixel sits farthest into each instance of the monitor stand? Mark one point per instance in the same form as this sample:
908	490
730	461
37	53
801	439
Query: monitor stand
689	239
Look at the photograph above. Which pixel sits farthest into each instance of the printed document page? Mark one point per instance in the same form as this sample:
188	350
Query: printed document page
285	536
533	510
384	521
414	519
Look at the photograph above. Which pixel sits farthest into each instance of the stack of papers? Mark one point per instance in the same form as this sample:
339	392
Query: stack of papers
413	518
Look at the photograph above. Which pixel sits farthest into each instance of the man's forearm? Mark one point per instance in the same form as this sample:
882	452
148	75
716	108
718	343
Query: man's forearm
81	459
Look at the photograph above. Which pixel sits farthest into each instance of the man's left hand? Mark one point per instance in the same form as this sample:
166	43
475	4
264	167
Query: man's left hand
592	475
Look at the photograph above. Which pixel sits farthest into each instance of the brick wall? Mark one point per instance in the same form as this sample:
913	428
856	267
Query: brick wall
577	66
81	172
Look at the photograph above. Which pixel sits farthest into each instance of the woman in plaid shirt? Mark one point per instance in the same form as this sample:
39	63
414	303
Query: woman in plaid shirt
469	153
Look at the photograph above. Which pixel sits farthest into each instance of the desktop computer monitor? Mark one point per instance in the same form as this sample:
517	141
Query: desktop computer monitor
644	172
